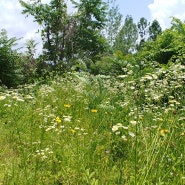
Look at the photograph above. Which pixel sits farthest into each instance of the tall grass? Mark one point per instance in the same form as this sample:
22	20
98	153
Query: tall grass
85	129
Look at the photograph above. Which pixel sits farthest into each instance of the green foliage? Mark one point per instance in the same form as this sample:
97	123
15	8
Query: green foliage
160	50
142	27
178	26
168	46
27	62
79	65
55	24
154	30
142	31
114	19
127	36
9	73
112	65
65	36
103	66
91	17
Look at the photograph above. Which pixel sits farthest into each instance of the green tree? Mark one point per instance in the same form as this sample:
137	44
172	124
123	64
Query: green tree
53	19
91	17
143	32
154	30
28	62
126	39
8	56
178	25
113	24
64	36
168	46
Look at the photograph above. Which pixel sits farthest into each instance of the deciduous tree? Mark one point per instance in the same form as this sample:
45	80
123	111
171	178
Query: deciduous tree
113	23
54	22
127	36
91	16
143	32
8	56
64	36
154	30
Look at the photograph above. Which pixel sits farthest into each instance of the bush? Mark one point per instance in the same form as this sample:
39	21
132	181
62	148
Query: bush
112	65
168	47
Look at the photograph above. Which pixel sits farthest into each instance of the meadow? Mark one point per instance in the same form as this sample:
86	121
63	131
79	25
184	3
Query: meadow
81	129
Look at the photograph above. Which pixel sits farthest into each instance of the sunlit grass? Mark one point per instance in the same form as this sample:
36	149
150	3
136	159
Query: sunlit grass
85	129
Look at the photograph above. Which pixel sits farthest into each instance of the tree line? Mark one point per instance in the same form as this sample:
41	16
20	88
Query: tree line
80	41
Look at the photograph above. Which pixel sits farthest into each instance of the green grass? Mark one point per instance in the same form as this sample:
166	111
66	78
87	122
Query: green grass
95	130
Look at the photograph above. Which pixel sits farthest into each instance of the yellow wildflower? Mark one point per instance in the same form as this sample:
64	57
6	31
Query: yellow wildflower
58	120
67	105
94	110
73	131
163	132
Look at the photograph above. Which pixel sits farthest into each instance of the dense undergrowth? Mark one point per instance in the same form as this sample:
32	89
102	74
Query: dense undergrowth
97	130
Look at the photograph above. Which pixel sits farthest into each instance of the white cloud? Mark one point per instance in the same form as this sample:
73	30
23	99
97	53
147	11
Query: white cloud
163	10
17	25
14	22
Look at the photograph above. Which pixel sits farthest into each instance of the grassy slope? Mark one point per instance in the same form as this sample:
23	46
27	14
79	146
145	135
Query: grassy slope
95	130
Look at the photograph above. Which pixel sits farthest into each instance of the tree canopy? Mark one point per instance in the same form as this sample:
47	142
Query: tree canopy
126	38
92	39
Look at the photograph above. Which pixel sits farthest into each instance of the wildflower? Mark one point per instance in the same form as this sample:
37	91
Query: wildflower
182	118
154	76
115	128
67	118
67	105
124	137
122	76
73	131
77	128
50	128
107	151
58	120
119	125
133	122
126	128
50	152
7	105
163	132
2	97
29	97
19	99
62	126
117	133
131	134
94	110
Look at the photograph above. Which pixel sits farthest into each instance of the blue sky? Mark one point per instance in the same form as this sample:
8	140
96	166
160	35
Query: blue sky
136	8
18	26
